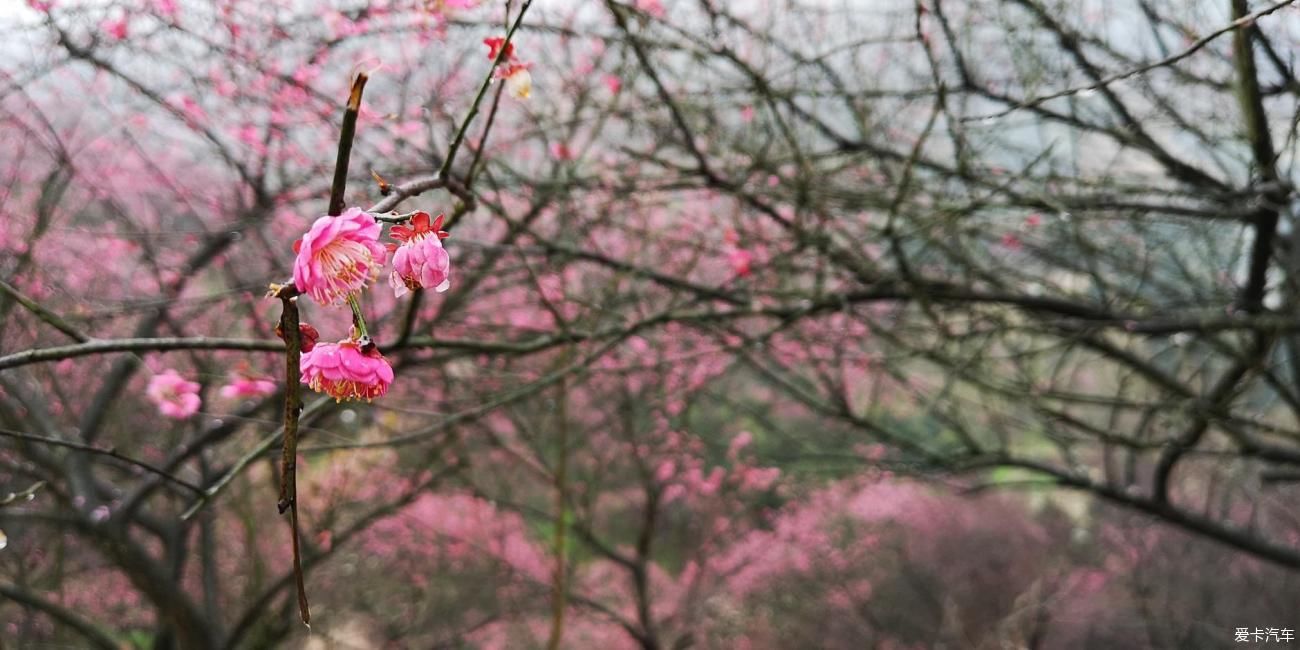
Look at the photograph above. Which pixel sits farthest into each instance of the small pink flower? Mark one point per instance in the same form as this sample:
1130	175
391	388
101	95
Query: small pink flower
348	369
115	28
665	471
738	443
242	386
1011	241
249	135
420	261
1033	220
175	396
561	151
759	478
740	260
653	7
100	513
613	83
338	256
495	44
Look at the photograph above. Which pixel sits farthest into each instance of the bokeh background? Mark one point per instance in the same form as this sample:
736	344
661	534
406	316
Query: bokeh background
889	324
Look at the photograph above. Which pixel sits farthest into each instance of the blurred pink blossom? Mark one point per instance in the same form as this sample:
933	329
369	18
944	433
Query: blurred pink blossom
175	396
242	386
116	28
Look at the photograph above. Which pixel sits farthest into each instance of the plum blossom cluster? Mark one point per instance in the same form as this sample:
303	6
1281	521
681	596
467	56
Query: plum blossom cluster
178	398
519	82
337	259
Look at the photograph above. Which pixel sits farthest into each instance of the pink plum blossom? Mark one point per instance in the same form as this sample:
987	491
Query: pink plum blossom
740	260
338	256
242	386
561	151
420	261
175	396
116	28
652	7
349	369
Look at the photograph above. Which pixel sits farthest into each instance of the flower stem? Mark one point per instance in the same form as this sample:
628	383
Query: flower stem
358	319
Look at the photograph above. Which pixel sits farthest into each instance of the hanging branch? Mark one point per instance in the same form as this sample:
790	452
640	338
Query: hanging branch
289	323
289	459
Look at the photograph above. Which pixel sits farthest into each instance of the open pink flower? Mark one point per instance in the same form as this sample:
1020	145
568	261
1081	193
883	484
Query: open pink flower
420	261
348	369
175	396
338	256
243	385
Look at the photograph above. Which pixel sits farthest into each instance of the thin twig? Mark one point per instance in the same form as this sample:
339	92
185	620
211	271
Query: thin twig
445	171
1167	61
398	193
289	459
158	344
110	452
42	313
242	463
